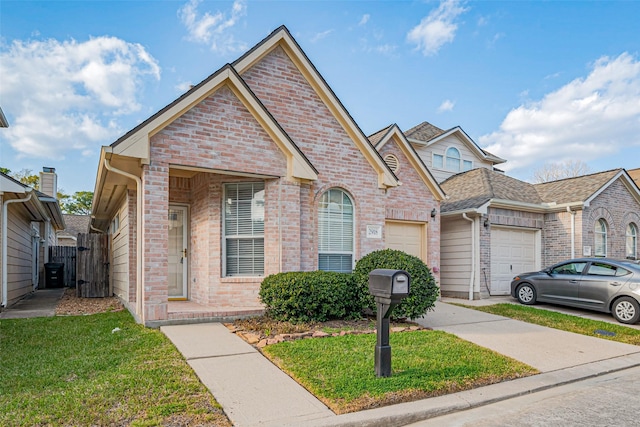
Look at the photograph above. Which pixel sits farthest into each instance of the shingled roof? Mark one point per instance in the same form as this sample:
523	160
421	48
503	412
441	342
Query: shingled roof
472	189
375	137
425	131
578	189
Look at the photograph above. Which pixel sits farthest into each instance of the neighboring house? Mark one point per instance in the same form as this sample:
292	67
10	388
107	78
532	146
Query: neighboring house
3	120
495	226
256	170
448	152
30	220
76	224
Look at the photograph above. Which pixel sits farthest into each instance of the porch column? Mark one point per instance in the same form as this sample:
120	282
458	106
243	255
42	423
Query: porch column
155	231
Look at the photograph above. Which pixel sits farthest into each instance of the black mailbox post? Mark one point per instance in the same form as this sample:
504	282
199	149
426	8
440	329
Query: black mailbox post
389	288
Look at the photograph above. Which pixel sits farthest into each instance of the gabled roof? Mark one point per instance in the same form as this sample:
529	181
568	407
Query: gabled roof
41	207
473	189
427	134
136	143
394	133
635	175
75	224
281	37
583	189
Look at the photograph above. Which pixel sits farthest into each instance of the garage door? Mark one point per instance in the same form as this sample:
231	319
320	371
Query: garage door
513	251
407	237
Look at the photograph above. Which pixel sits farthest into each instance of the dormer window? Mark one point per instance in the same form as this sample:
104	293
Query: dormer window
453	159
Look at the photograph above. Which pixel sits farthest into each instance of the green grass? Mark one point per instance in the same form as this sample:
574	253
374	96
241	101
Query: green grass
564	322
340	370
74	371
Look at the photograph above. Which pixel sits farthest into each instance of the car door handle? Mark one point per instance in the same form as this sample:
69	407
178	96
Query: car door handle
573	281
615	283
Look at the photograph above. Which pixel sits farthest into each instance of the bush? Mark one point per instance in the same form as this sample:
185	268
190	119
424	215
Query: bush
314	296
423	287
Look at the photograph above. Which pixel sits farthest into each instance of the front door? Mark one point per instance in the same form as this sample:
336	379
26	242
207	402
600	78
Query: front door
178	252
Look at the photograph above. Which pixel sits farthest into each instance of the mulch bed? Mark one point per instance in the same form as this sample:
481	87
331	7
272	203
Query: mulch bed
71	305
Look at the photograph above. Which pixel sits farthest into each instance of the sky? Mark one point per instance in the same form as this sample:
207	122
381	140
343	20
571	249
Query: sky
532	82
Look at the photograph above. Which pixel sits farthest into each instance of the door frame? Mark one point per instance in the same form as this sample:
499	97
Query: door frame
185	243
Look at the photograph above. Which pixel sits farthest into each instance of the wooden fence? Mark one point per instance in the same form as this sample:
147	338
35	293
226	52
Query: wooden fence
65	255
93	266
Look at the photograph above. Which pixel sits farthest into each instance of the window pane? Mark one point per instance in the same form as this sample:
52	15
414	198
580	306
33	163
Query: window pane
437	161
600	243
244	229
631	241
467	165
335	231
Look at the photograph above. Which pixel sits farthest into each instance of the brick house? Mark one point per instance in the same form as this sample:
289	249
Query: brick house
495	226
256	170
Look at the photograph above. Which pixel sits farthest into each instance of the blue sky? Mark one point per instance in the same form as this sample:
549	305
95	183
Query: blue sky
532	82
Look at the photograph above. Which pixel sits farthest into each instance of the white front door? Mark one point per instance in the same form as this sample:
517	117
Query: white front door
178	239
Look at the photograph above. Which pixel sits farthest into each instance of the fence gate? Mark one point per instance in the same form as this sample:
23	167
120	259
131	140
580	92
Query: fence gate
93	266
65	255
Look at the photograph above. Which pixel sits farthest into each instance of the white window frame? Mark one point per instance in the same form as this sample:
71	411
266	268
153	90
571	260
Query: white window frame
600	238
441	165
631	241
469	162
324	251
253	234
457	159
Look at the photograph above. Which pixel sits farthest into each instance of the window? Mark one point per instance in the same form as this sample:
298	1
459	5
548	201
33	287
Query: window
600	269
244	229
467	165
453	159
574	268
631	241
600	232
115	224
438	161
335	232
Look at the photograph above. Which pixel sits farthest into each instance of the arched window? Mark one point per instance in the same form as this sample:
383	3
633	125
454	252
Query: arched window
335	231
600	238
632	241
453	159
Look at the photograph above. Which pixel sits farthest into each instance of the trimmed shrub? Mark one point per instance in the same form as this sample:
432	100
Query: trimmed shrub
313	296
423	287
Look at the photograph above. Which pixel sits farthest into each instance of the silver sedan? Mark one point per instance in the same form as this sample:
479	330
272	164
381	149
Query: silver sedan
600	284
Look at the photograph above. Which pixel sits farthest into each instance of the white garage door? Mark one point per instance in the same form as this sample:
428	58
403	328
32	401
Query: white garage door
407	237
513	251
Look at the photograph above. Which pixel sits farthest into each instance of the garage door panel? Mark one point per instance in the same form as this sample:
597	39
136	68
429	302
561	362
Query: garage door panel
513	251
406	237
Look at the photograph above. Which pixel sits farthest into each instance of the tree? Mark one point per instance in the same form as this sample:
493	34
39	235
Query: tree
77	204
555	171
5	171
27	177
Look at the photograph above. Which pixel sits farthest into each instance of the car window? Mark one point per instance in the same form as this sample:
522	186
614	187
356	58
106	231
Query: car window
602	269
569	268
622	272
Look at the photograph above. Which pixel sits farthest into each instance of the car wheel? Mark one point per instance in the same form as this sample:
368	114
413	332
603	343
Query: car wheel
526	294
626	310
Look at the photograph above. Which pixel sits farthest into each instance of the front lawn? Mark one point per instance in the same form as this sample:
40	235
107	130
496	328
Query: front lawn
564	322
102	369
340	370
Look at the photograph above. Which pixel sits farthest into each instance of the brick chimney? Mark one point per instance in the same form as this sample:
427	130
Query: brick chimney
49	182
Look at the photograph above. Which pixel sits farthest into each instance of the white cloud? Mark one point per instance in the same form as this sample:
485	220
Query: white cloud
320	36
183	87
64	95
438	28
365	19
586	119
447	105
210	29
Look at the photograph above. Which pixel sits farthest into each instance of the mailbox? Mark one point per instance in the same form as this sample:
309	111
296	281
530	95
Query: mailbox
387	283
389	288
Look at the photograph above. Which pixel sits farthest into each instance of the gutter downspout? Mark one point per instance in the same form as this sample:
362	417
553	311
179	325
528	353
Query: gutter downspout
5	219
573	231
473	254
139	285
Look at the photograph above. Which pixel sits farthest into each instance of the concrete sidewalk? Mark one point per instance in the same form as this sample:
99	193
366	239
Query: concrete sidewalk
41	303
253	392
